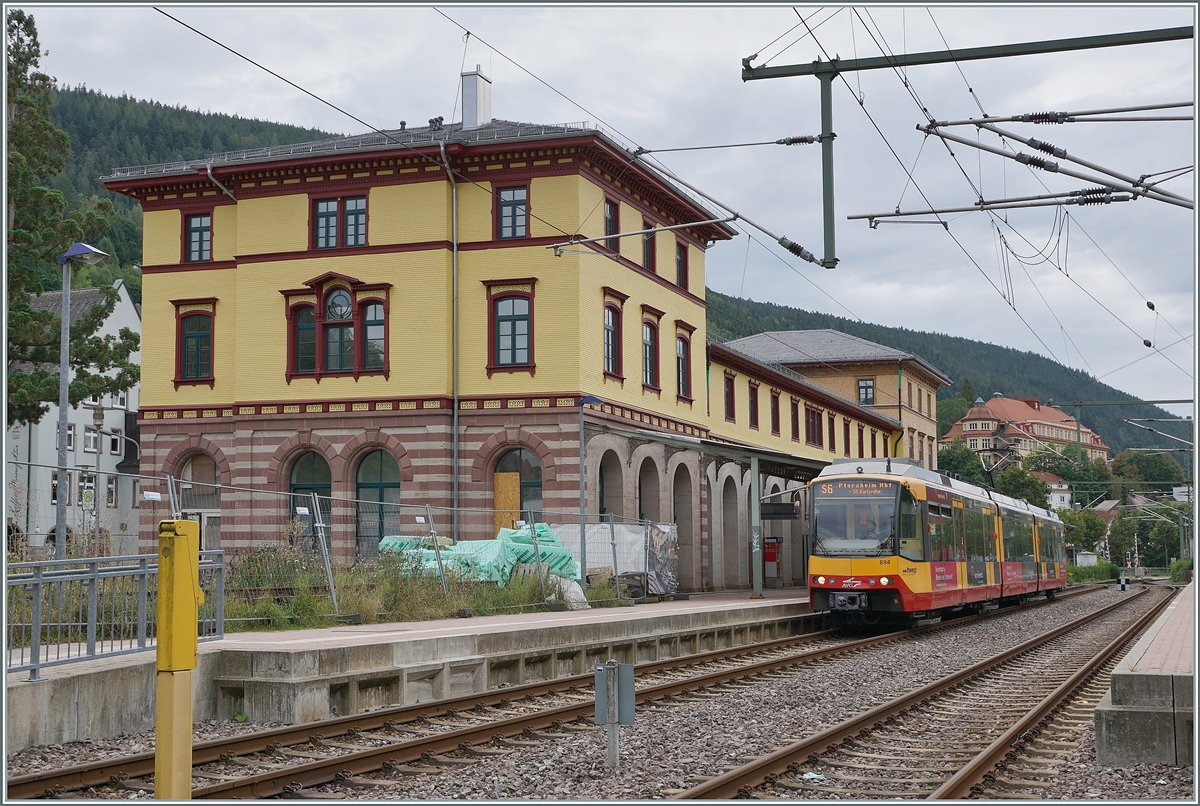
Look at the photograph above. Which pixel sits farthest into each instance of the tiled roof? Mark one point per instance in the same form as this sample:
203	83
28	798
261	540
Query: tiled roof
82	300
808	347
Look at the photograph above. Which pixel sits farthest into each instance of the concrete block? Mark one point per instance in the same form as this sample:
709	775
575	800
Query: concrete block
1142	689
1184	731
423	683
1126	736
1181	685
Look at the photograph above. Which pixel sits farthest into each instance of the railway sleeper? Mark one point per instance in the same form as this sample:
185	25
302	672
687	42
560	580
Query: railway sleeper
885	780
407	770
445	761
834	790
948	767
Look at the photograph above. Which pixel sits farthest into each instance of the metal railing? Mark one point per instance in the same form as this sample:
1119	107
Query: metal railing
64	611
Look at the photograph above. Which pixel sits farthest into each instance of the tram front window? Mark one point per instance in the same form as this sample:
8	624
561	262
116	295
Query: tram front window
854	518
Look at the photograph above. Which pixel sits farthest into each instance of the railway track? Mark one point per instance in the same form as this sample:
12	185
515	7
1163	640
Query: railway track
946	739
292	760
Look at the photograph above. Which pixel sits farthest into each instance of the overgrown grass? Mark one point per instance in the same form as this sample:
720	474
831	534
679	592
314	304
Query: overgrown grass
1101	571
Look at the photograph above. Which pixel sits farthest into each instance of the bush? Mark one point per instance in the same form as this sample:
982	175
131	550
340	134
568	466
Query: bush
1101	571
1180	569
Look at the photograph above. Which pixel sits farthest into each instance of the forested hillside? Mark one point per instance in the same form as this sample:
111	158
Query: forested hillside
989	367
108	132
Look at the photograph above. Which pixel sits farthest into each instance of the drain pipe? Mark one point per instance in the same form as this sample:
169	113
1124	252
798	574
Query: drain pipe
454	337
213	179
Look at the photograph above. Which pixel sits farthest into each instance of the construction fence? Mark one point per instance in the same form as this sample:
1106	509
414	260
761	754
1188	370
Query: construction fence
274	541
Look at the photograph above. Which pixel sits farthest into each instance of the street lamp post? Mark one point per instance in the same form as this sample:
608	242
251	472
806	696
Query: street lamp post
583	401
79	253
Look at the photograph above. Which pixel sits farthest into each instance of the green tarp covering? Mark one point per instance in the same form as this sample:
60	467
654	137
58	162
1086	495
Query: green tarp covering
489	560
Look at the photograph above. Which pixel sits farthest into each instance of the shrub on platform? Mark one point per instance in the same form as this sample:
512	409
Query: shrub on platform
1181	571
1103	570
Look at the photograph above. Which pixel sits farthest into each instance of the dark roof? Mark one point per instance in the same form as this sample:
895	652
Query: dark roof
82	300
810	347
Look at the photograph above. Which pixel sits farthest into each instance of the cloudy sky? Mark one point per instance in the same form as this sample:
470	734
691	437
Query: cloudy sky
1071	287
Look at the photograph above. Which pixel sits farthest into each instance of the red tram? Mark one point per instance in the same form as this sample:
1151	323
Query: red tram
893	541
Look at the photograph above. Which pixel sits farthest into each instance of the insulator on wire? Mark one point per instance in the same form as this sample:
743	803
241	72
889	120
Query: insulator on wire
800	139
1096	198
1048	148
797	250
1096	191
1044	117
1038	162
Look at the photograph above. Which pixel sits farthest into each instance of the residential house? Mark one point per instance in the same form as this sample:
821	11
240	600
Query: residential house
1060	490
1005	430
100	485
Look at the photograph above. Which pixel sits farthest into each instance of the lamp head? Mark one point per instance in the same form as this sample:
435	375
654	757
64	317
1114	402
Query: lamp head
82	253
589	400
98	416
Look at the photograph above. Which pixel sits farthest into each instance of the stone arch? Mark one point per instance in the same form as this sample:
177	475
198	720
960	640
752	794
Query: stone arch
684	500
278	468
187	448
615	450
730	529
637	457
501	442
368	441
649	488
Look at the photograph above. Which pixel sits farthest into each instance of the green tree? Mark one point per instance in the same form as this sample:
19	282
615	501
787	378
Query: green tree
958	458
1145	471
1089	479
1018	483
967	392
1089	528
39	228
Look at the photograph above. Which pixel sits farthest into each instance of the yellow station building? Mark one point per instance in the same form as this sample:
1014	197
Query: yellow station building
414	316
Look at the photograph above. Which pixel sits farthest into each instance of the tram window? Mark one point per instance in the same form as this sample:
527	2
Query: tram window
912	542
854	519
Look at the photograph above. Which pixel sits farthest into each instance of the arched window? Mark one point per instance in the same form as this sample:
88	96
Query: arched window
200	478
339	332
612	340
306	339
683	367
373	331
650	355
523	465
378	486
310	474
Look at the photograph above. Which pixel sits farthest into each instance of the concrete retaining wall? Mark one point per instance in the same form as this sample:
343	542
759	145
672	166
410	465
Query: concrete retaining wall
107	697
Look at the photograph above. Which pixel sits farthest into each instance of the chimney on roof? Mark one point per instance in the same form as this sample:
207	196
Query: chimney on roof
477	99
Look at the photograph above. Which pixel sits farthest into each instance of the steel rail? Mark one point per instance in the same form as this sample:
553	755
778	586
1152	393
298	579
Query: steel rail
733	783
103	772
974	772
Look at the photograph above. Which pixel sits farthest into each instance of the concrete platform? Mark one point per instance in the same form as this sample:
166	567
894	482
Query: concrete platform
1147	715
304	675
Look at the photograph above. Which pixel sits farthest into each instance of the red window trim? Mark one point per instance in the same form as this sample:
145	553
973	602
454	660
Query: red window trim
861	443
338	248
752	403
507	290
776	414
653	238
205	208
649	319
180	315
729	401
832	433
619	347
496	188
616	253
846	437
795	410
687	340
687	268
361	294
814	415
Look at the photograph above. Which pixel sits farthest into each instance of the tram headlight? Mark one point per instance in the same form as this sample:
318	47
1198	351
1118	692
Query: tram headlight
885	580
820	580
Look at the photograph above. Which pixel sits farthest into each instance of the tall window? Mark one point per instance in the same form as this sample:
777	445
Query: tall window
514	212
846	438
305	321
349	216
373	343
649	355
54	487
729	403
775	413
649	246
524	463
681	265
813	428
110	491
327	224
611	223
795	421
860	443
866	392
752	401
339	332
832	434
683	367
612	340
378	495
512	331
199	238
114	442
197	347
91	439
356	221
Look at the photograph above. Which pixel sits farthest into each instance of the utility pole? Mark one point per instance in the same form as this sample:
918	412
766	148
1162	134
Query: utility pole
826	71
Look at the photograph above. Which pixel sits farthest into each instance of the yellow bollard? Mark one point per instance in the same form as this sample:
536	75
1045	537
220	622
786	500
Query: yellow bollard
179	600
